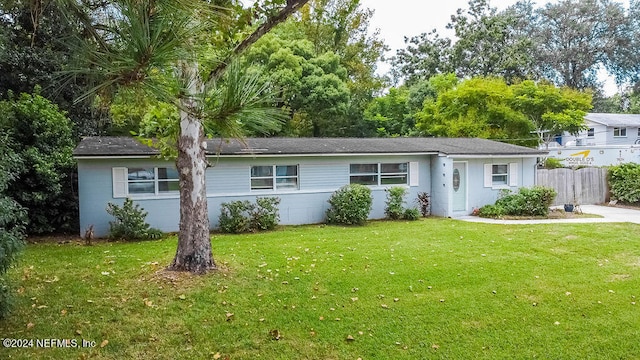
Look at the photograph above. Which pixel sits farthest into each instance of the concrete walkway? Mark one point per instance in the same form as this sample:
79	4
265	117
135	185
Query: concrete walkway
609	214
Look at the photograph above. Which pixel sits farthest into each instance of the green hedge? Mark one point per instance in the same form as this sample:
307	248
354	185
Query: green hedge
533	201
350	205
624	182
244	216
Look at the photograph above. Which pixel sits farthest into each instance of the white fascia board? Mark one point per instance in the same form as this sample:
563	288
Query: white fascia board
318	155
114	157
501	156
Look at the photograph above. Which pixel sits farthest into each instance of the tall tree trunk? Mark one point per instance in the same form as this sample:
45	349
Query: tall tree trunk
194	244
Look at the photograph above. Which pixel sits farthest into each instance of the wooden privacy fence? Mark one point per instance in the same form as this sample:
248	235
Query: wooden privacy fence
581	186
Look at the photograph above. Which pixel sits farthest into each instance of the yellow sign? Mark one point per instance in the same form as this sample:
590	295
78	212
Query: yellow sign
583	153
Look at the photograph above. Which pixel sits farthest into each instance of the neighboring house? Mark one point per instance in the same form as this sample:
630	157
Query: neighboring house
459	174
606	129
611	139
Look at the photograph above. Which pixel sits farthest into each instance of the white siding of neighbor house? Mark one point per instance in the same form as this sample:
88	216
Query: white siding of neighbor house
229	179
603	135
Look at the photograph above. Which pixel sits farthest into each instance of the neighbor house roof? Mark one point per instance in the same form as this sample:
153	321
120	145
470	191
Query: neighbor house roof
130	147
615	120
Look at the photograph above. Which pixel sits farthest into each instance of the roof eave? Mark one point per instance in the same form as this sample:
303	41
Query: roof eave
94	157
477	156
254	155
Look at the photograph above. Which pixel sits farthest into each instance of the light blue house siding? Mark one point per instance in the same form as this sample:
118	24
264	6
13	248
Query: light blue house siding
476	187
229	179
95	188
318	178
458	174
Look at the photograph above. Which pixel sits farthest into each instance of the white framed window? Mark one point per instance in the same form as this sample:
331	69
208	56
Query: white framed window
500	175
619	132
591	132
274	177
380	174
141	181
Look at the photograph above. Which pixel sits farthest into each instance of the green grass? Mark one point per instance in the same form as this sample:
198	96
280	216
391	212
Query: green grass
434	288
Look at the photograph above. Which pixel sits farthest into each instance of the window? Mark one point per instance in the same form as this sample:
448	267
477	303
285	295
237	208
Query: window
619	132
144	181
365	174
284	177
379	174
500	175
591	132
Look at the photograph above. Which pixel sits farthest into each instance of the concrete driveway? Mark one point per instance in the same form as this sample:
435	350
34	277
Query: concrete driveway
609	214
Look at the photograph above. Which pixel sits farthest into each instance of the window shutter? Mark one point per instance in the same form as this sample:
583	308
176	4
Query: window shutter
413	174
513	174
119	176
488	172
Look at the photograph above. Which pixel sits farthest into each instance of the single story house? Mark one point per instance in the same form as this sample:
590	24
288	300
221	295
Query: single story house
459	174
606	129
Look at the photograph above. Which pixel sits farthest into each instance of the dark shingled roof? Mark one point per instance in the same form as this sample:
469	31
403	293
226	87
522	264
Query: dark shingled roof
108	146
124	146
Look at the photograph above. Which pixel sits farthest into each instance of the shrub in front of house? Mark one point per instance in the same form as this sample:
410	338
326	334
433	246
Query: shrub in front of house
350	205
234	216
265	215
411	214
130	222
243	216
624	182
423	201
394	209
491	211
533	201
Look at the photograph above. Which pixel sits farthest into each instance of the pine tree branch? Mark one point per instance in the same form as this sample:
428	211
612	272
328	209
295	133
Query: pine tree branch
291	7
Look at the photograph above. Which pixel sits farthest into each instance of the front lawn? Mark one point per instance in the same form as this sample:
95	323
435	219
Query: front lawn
434	288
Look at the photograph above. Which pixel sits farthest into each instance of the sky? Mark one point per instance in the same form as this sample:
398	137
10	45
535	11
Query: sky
399	18
396	19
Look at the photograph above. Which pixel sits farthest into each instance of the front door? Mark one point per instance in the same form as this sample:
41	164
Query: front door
459	186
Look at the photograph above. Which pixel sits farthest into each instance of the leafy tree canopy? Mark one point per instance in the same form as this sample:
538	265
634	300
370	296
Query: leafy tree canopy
550	109
12	221
564	42
478	107
35	48
41	137
490	108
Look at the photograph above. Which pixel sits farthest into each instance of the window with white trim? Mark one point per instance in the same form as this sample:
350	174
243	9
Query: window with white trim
144	181
274	177
591	132
619	132
379	174
500	175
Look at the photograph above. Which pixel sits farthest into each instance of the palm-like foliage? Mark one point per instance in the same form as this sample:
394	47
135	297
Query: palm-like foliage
240	103
139	42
